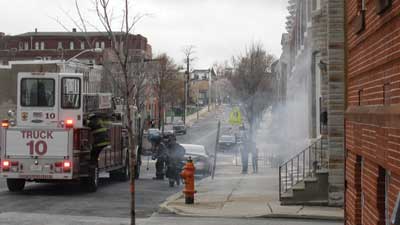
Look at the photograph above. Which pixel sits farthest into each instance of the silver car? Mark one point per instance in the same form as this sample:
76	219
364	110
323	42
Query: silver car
202	160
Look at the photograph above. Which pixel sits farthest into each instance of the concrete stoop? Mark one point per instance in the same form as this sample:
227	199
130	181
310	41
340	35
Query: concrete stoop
312	191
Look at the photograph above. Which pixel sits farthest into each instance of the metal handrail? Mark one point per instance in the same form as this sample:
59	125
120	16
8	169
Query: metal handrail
302	165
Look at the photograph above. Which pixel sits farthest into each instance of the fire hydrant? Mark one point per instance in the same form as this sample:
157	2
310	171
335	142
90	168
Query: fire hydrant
188	176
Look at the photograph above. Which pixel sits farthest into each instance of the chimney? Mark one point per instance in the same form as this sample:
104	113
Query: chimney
35	30
74	30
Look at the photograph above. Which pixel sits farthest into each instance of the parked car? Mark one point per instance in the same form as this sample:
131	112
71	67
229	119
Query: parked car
202	160
227	142
179	129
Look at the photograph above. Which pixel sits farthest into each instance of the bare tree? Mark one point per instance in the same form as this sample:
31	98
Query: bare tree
165	72
188	51
251	80
122	68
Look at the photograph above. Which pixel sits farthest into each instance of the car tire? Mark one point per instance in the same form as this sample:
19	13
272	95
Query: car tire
15	185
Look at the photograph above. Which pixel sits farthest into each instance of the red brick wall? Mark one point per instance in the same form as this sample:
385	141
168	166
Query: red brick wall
372	118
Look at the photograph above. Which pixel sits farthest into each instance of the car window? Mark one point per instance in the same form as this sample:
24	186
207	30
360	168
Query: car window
194	150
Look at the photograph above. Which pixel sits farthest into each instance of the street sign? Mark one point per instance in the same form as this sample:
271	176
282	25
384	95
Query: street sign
235	117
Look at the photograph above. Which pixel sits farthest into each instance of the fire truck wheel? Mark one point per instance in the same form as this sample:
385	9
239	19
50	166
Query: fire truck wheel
91	183
122	174
15	185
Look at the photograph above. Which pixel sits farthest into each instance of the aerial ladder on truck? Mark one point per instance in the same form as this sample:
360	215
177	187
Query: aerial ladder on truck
51	136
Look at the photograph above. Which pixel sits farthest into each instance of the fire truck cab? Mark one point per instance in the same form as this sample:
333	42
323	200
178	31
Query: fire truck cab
48	139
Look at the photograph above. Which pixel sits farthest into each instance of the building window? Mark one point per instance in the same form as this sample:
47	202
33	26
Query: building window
20	45
360	94
359	21
71	45
381	193
97	44
316	5
42	45
103	45
362	195
59	45
358	186
26	45
382	5
82	45
309	9
37	45
387	183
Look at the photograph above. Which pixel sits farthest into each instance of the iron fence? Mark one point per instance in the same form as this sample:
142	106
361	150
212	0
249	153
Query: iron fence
304	164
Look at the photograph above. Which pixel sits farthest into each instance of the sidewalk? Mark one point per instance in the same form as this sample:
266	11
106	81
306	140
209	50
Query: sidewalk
191	119
234	195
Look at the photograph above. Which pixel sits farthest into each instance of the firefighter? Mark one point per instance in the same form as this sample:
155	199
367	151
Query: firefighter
176	157
160	154
99	126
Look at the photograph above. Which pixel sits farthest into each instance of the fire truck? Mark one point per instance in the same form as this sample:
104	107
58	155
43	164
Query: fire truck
48	139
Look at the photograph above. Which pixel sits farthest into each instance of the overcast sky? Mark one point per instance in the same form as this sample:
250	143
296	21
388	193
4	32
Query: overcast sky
218	29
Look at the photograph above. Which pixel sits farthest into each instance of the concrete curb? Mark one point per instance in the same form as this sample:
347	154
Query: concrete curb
163	208
308	217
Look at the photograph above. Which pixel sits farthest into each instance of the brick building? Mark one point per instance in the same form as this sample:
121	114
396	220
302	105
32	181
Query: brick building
373	116
312	65
63	45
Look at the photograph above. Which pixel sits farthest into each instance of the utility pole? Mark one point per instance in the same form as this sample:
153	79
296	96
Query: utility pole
209	89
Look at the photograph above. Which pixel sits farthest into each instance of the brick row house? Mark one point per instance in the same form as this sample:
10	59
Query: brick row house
373	111
312	67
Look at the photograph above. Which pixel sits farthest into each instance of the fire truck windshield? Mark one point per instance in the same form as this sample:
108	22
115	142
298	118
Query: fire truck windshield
37	92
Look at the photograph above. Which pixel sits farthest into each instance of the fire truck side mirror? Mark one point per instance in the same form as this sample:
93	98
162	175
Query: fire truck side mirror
396	212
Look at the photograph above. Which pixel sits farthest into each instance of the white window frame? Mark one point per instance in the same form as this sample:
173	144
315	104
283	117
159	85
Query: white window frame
103	45
59	45
97	44
26	45
71	45
42	45
37	45
82	45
